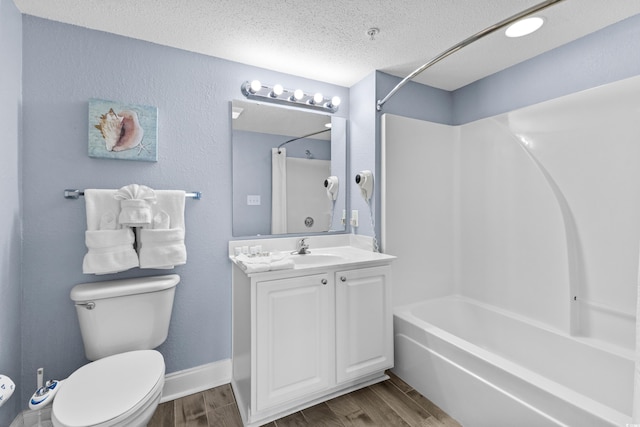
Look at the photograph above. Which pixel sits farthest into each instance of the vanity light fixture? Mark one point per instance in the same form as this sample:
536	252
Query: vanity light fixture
278	95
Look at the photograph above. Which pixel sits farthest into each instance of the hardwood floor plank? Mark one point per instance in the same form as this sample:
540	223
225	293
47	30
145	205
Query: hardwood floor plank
384	404
224	416
293	420
377	409
190	411
321	415
412	413
218	397
431	422
398	382
433	409
164	416
349	412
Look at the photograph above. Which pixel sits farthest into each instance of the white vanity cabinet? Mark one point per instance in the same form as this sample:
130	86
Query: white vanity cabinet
306	335
294	338
364	322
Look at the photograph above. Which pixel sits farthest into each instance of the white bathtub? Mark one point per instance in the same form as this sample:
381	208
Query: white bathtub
488	367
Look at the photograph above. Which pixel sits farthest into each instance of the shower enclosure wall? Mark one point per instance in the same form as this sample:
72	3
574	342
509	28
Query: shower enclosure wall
536	212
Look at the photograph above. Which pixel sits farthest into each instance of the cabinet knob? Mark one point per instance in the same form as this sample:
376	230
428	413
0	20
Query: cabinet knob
323	281
343	279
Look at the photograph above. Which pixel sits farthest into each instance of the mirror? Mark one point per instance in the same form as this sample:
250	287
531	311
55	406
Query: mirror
281	159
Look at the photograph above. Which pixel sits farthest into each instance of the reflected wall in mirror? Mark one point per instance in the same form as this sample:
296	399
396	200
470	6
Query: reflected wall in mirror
281	160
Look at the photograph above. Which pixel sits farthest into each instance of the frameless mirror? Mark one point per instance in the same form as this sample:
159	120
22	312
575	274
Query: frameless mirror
289	170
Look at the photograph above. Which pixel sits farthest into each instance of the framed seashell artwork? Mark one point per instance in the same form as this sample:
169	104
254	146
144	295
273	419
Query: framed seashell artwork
123	131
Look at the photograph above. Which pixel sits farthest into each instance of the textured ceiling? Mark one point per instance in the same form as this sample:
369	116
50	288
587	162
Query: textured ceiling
327	40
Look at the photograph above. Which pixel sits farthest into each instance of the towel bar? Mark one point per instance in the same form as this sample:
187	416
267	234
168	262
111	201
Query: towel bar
74	194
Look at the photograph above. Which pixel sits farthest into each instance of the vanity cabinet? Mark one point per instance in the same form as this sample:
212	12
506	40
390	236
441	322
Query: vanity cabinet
294	330
364	322
304	336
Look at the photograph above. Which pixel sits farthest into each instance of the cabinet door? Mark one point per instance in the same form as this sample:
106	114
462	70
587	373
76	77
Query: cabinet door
294	338
364	322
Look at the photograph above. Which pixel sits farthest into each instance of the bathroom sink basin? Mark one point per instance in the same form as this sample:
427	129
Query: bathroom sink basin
316	259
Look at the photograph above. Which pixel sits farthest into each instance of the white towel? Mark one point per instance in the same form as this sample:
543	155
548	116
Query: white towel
110	249
258	264
135	203
162	245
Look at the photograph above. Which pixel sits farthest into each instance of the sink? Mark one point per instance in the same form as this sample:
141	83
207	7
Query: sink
316	259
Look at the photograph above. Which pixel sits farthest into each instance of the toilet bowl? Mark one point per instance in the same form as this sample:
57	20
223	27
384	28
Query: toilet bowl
119	390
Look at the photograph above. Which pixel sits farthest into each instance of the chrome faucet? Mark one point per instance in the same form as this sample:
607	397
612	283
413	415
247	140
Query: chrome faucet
302	247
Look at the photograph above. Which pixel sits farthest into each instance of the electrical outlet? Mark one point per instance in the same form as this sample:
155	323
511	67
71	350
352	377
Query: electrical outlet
253	200
354	218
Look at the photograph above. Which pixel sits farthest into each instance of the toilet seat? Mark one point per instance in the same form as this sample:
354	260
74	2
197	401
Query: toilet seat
110	391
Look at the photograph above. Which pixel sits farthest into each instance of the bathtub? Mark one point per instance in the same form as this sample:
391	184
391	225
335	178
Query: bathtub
488	367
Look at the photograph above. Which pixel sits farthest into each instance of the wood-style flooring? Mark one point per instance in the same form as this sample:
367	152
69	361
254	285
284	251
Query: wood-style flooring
389	403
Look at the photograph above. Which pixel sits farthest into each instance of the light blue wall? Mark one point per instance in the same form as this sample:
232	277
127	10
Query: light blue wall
64	66
363	147
10	217
602	57
415	100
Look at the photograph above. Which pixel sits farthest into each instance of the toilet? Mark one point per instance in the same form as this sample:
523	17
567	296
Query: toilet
121	322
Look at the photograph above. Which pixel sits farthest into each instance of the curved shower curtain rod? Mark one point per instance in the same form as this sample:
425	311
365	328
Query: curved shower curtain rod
301	137
466	42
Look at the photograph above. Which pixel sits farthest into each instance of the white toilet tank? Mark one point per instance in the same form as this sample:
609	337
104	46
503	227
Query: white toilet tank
117	316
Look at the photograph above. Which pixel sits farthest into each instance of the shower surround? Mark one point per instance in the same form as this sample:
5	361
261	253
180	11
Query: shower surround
535	212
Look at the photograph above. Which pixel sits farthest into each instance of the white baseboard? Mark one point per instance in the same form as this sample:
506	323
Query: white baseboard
197	379
176	385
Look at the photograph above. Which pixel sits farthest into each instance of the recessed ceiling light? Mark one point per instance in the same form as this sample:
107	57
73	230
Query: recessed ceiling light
524	26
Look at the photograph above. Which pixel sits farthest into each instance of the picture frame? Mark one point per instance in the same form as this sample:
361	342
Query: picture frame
122	131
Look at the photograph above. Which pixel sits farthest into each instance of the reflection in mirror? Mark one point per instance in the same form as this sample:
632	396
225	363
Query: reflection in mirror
281	160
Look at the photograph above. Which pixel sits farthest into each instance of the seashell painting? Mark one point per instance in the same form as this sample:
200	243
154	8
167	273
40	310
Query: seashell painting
123	131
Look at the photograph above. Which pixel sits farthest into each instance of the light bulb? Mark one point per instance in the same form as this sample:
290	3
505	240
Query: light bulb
524	27
335	101
298	94
318	98
255	86
278	90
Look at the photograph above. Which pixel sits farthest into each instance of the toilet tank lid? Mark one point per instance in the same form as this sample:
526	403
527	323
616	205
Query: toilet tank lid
123	287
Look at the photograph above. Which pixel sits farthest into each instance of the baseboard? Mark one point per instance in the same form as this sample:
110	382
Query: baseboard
197	379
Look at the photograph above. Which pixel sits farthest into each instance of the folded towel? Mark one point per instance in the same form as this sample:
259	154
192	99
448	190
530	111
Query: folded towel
258	264
108	221
110	249
100	204
162	248
161	244
161	221
135	203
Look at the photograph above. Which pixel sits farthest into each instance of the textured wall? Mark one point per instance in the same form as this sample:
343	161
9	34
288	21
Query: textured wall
10	294
64	66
